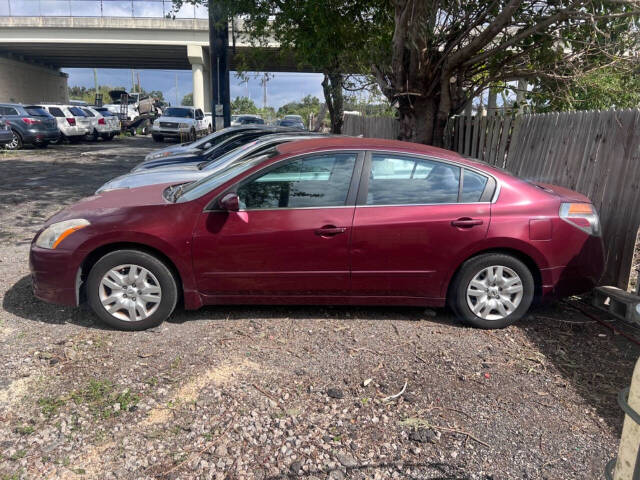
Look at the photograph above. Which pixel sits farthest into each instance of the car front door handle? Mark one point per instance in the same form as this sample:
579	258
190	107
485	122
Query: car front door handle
330	231
466	222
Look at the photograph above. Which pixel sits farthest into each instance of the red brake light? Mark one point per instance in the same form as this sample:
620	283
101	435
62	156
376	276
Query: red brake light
30	121
101	121
72	121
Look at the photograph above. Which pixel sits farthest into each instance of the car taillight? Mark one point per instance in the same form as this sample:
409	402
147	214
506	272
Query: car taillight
582	216
71	121
101	121
30	121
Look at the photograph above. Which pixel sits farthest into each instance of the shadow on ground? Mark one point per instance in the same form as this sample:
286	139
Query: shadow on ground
590	358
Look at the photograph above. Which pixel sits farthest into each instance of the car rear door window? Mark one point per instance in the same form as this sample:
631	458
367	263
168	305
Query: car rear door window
56	112
401	180
76	112
318	181
473	186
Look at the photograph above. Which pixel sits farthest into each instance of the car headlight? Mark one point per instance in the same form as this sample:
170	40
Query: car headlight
184	125
54	234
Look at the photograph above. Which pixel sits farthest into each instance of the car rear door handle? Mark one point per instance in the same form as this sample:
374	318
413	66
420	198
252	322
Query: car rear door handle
466	222
330	231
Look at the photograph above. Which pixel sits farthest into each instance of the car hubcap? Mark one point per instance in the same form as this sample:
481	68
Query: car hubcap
494	293
14	142
130	293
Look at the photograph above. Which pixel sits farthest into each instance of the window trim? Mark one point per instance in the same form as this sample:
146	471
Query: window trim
489	195
350	201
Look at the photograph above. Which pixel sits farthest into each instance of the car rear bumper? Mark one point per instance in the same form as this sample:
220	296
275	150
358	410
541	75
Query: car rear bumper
581	273
54	276
40	136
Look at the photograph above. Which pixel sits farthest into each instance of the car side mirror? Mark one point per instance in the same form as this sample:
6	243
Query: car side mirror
230	202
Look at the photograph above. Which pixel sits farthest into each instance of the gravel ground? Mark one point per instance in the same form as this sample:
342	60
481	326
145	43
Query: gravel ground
279	392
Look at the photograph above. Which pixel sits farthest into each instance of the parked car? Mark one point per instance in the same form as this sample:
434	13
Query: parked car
71	121
291	123
246	120
30	124
203	143
214	152
188	172
104	124
181	122
6	135
112	120
337	220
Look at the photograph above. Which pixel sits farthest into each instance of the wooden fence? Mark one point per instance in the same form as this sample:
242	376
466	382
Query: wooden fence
371	127
596	153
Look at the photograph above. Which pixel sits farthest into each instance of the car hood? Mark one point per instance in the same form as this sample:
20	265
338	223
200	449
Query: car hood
153	177
174	119
179	158
112	202
165	152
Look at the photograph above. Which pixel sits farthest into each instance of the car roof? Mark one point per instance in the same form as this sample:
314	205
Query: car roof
336	142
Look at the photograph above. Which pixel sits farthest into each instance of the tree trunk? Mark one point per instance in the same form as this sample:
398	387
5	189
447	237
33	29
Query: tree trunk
418	120
332	88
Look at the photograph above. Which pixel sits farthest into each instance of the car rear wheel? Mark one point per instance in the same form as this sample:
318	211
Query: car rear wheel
492	291
15	143
131	290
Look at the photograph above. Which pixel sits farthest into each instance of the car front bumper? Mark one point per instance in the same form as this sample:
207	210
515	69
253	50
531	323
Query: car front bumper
54	275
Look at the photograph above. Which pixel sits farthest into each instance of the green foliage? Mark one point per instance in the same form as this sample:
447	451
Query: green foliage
89	94
243	105
50	405
304	108
598	90
187	100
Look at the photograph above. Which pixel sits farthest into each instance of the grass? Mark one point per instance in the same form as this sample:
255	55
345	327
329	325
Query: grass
100	396
24	429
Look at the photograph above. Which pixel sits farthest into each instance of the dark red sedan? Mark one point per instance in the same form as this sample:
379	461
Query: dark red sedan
341	221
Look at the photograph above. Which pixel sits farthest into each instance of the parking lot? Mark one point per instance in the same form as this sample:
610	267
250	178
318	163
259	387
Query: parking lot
284	392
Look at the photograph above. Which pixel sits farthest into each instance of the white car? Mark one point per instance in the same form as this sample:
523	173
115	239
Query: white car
104	124
71	120
183	123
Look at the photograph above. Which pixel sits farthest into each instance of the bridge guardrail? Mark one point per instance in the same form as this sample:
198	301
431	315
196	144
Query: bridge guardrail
99	8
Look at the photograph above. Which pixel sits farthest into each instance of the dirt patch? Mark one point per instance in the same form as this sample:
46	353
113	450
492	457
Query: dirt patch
282	392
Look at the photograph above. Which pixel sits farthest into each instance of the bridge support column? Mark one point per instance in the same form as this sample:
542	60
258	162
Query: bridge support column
196	58
207	85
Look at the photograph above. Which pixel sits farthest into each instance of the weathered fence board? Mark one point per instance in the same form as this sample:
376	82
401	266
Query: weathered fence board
595	153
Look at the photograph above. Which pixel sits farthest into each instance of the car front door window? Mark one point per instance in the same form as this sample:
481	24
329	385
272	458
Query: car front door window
321	181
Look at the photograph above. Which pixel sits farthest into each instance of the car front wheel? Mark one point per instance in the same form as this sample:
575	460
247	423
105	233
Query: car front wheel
131	290
492	291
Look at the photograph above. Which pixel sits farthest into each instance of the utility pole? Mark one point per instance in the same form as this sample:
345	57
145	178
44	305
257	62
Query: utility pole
133	81
95	79
219	60
177	101
139	89
265	79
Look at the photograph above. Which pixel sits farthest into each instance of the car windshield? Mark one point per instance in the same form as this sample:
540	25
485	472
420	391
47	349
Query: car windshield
227	157
178	112
105	113
214	138
35	111
223	174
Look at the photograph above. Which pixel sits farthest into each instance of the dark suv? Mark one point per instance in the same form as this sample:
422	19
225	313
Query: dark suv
29	124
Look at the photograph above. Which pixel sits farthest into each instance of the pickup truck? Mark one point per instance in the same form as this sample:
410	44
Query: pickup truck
184	123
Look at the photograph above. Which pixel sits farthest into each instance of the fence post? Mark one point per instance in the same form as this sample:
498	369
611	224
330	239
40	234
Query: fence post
627	465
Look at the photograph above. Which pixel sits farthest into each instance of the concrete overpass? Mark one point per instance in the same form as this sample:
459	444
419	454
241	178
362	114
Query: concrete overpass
121	42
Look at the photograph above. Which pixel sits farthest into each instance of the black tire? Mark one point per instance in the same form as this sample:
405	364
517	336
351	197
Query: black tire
146	127
16	143
93	136
59	140
107	137
158	138
75	139
165	279
472	267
